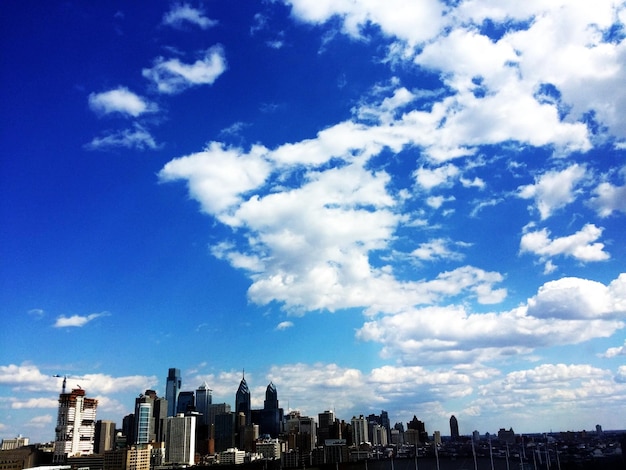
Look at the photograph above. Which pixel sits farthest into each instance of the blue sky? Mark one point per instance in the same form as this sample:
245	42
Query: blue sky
375	205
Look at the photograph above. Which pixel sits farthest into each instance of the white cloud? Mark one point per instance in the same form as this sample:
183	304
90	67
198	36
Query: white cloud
579	246
452	334
35	403
283	325
172	76
28	377
437	249
574	298
120	100
137	137
218	176
77	320
609	198
443	175
395	17
616	351
554	189
182	13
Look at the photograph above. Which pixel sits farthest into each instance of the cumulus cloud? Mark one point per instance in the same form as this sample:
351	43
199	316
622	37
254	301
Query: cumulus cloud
181	13
553	190
171	76
616	351
120	100
497	84
77	320
581	245
430	178
28	377
609	198
136	137
452	334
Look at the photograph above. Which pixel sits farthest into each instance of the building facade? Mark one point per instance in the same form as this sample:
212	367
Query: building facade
172	389
76	425
180	440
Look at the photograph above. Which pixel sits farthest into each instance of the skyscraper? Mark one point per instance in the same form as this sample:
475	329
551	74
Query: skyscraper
104	436
454	428
180	440
271	415
242	401
76	425
186	402
359	430
203	400
172	389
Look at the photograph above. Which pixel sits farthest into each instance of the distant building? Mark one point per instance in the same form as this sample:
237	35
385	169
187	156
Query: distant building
204	400
301	432
437	438
28	456
186	402
242	401
506	436
232	456
269	448
454	428
75	429
224	431
271	416
359	430
180	440
104	437
149	418
172	389
14	443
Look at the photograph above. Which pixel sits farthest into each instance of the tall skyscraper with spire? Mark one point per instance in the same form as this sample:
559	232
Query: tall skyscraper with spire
242	401
172	389
76	425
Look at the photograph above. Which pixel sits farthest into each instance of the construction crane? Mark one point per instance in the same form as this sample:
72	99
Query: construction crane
65	381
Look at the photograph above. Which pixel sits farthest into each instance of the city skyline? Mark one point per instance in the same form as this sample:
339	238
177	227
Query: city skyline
417	208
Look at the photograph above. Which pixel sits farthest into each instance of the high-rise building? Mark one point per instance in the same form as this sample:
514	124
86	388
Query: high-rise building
454	428
149	418
172	389
186	402
203	400
180	440
76	425
105	436
271	415
242	401
359	430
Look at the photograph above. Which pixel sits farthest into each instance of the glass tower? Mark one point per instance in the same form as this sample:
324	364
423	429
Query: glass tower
242	401
172	389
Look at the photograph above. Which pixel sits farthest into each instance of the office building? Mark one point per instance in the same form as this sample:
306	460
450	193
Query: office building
105	436
172	389
16	442
454	428
359	430
271	416
180	440
204	400
242	401
186	402
76	425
